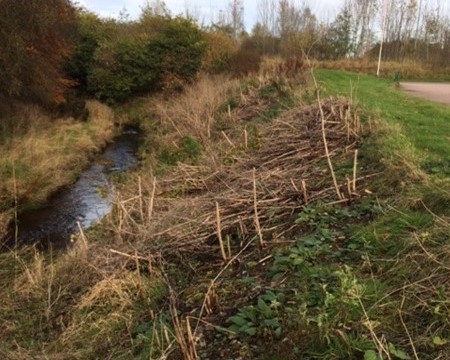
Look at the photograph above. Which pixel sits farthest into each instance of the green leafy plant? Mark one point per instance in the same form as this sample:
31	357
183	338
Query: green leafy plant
260	318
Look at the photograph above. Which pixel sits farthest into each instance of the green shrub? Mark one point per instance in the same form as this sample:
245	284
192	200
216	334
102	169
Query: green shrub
180	47
145	62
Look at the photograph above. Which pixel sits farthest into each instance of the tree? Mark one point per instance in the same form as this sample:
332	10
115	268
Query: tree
165	56
35	40
236	14
297	28
339	36
153	8
266	28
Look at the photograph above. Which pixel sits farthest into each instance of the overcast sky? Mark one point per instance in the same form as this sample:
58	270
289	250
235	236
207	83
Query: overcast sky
205	9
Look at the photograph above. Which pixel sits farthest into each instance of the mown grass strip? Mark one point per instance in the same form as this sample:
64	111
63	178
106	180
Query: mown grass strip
424	122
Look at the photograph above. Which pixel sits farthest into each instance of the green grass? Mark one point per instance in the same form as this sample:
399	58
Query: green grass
425	123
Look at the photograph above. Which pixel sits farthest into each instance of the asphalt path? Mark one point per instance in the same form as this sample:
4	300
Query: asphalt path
438	92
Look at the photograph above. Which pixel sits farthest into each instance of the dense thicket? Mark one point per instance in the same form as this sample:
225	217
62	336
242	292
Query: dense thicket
166	52
35	38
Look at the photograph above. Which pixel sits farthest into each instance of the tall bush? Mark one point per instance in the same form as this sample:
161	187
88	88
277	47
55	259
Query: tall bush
35	39
146	61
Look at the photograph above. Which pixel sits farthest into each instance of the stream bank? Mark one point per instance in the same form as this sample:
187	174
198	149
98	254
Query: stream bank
85	202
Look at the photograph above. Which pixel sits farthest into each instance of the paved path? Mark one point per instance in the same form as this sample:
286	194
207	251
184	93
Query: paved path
439	92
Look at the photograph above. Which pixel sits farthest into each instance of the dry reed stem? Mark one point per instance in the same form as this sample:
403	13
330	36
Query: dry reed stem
152	200
245	139
227	138
133	257
191	339
214	281
305	193
355	164
141	204
293	152
16	203
324	137
255	206
219	233
187	347
82	235
349	187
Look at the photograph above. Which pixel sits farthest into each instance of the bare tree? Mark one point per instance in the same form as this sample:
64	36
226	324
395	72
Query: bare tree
236	15
154	8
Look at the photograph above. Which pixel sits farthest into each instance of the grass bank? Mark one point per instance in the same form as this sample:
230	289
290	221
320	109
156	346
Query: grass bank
423	122
40	154
405	70
235	241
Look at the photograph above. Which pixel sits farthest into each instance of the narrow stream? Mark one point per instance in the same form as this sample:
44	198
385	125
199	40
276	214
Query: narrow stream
86	201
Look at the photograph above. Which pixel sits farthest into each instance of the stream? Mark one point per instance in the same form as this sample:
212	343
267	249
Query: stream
86	201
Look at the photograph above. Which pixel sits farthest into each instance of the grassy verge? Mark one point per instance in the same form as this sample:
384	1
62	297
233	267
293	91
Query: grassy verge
424	123
240	247
41	154
406	70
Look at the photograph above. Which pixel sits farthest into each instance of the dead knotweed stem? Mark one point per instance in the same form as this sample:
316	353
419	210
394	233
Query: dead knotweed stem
219	233
255	204
355	164
324	137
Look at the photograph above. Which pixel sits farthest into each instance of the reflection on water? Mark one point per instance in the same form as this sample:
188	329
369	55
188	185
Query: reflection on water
86	201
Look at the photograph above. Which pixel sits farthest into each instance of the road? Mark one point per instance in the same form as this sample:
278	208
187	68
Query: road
438	92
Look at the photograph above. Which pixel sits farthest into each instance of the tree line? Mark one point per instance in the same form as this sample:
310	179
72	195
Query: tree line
411	29
49	47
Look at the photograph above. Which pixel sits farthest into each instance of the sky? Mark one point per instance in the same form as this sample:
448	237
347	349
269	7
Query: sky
206	10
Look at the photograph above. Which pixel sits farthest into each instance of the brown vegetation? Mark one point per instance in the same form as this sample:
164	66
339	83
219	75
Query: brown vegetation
288	160
47	154
407	69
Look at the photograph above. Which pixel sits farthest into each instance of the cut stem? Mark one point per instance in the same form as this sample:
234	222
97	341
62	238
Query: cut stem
255	205
355	164
219	233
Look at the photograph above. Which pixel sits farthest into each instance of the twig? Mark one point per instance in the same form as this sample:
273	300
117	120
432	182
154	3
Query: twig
268	257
